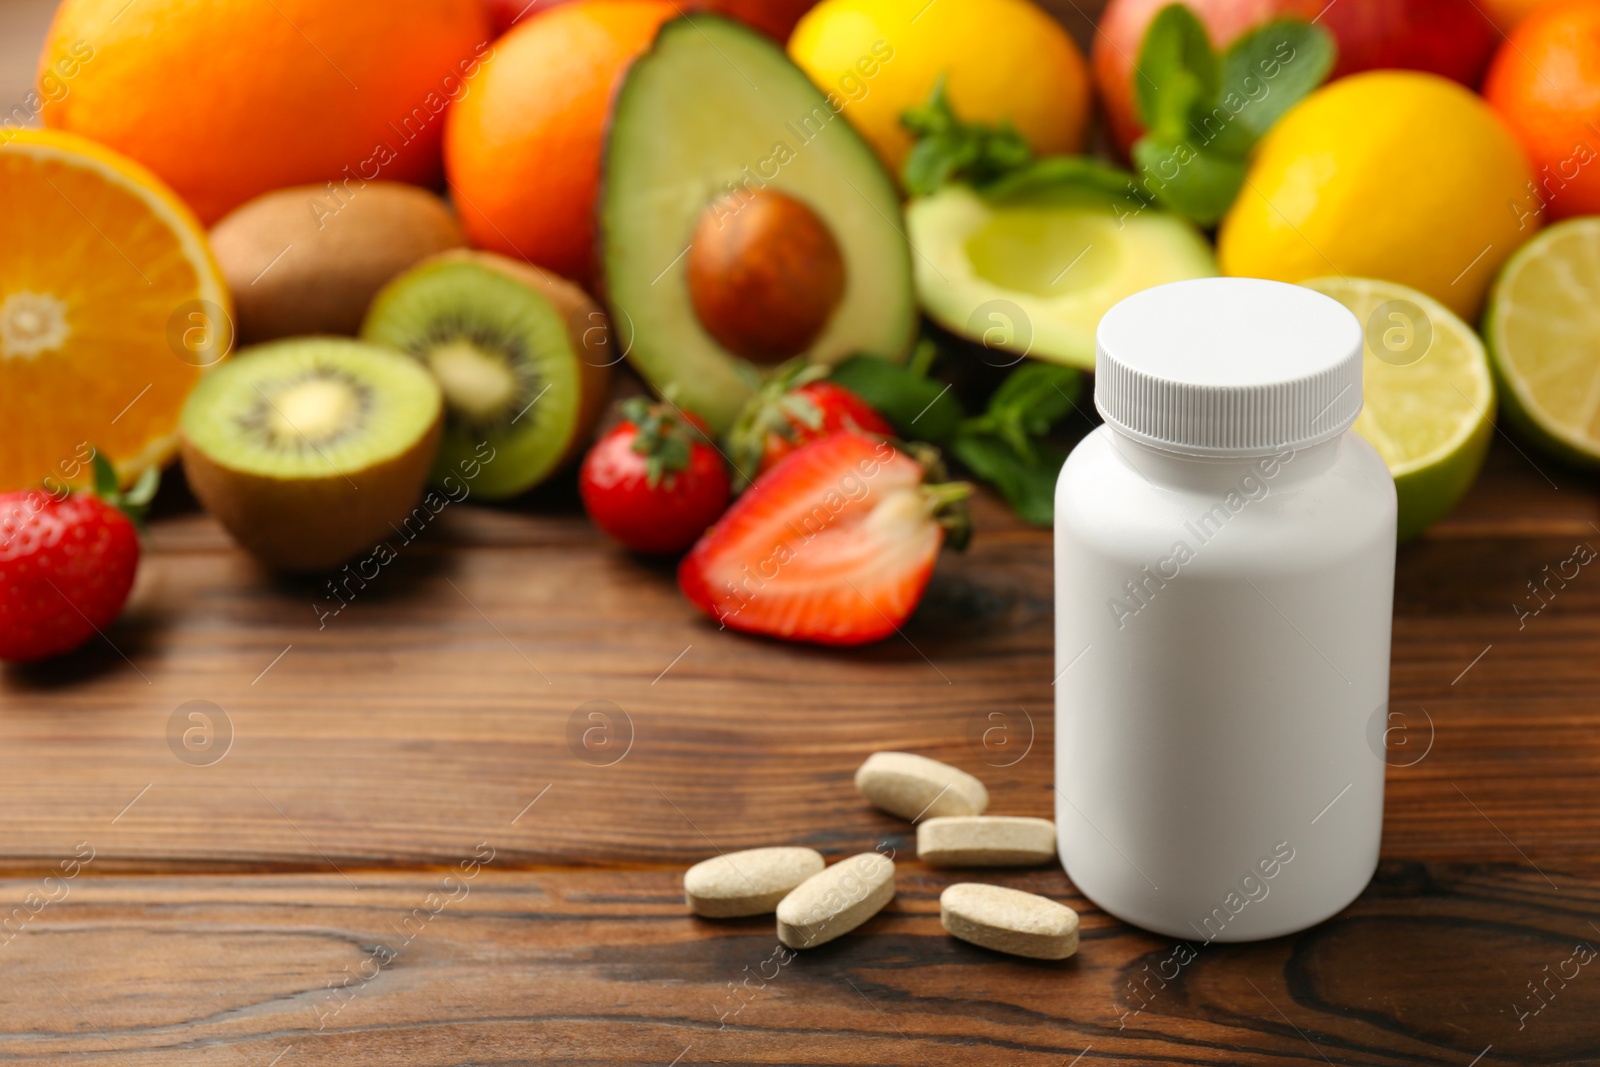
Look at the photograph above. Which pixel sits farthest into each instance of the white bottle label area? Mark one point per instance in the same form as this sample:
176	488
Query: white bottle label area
1222	646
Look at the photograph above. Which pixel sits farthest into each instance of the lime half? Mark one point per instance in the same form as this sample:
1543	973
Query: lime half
1543	330
1428	397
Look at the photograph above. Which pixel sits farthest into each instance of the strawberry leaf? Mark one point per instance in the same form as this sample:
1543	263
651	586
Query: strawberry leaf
106	485
663	436
143	491
136	501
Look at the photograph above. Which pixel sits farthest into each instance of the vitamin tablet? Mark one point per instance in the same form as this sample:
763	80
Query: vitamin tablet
1009	920
986	841
749	882
915	787
836	901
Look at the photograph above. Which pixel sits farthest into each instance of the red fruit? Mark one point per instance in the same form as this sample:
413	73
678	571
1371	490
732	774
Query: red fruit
654	481
1446	37
834	545
775	17
785	416
66	566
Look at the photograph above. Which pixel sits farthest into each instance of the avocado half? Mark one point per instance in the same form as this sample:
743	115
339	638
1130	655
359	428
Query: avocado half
1032	274
715	109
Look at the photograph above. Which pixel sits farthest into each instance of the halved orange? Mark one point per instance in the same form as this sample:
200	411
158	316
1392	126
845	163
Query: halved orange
111	308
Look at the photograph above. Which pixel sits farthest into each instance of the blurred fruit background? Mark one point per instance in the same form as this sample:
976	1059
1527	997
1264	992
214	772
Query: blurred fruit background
347	264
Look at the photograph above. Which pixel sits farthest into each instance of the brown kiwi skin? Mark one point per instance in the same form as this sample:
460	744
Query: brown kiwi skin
309	525
337	258
588	330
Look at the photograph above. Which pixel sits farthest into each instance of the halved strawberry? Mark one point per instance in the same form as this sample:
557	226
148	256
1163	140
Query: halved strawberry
834	545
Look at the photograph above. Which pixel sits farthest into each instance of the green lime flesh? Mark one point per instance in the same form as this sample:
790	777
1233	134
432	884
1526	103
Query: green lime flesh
1430	415
1542	328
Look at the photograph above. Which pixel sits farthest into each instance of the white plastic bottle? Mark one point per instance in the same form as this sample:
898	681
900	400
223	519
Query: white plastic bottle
1224	551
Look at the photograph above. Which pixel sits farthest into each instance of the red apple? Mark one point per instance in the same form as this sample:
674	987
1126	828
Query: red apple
1447	37
773	17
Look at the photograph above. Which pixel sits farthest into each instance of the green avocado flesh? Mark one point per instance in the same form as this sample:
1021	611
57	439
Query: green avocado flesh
1033	276
717	110
502	355
310	408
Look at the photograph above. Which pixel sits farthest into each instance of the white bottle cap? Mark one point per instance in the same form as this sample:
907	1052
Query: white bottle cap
1228	367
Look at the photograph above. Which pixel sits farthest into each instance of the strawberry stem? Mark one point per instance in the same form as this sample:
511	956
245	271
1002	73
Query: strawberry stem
946	502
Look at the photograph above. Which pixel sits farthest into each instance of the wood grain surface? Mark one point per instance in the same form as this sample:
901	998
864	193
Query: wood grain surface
442	816
296	892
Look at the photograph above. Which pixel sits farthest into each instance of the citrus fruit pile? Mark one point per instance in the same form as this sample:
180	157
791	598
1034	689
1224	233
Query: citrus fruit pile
439	235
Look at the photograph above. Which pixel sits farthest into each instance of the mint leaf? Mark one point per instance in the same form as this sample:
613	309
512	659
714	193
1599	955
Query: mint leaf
948	149
1035	397
1204	114
1066	177
919	408
1270	69
1005	447
1176	72
1195	183
1027	484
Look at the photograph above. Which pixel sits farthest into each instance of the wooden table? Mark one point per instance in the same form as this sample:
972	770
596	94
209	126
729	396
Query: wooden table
408	841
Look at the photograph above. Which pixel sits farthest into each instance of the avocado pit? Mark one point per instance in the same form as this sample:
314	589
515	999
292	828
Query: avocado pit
765	275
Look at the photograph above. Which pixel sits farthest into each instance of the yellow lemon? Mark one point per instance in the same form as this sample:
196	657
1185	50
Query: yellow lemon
1003	61
1395	175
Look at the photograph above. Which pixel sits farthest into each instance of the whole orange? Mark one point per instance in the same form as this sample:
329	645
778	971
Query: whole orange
227	99
1545	83
1508	13
522	150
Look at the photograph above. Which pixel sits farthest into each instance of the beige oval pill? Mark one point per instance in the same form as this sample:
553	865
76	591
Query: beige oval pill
1009	920
914	787
749	882
836	901
986	841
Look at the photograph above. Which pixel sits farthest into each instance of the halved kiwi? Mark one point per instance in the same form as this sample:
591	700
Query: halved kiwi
523	358
308	449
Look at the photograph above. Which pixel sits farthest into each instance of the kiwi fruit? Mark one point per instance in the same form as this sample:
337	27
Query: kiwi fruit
309	259
308	449
523	358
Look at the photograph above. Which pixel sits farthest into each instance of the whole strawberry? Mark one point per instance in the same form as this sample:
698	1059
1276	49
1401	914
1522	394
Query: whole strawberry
66	566
654	481
796	407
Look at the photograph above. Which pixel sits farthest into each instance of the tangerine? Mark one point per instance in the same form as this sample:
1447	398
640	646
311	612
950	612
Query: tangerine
522	151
